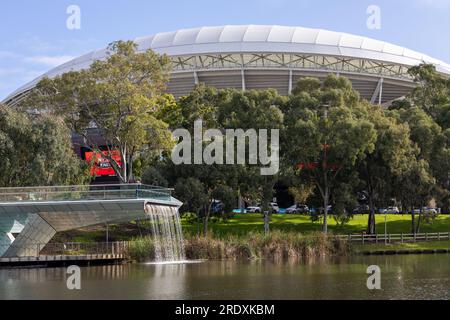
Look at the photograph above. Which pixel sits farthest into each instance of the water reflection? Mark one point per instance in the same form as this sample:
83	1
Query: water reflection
403	277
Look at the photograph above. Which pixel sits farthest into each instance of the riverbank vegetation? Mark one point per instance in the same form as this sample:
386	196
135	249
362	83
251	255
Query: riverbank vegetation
274	246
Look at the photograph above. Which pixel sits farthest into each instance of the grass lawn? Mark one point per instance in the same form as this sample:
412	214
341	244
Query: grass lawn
245	223
405	246
241	225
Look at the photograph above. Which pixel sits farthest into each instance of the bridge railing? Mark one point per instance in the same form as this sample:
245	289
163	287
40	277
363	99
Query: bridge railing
86	192
74	249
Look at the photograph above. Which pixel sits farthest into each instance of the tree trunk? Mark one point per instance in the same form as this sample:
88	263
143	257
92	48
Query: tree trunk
413	220
206	219
267	199
326	201
371	223
419	220
198	223
130	177
266	222
205	226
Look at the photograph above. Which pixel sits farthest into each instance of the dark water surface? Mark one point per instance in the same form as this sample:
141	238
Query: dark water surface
403	277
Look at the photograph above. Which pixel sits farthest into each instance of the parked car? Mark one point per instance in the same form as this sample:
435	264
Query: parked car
275	207
254	209
362	209
390	210
257	209
298	209
292	209
427	211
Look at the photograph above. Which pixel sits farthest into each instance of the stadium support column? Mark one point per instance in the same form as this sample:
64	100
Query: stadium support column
380	99
290	82
243	80
378	93
196	82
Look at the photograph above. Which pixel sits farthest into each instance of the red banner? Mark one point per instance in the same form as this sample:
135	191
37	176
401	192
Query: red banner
101	165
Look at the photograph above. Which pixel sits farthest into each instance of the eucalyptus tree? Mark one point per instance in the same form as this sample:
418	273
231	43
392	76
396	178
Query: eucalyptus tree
427	112
36	150
253	111
326	132
415	189
432	93
390	160
119	96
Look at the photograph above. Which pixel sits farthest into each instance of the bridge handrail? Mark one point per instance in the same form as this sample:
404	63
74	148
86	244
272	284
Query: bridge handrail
139	185
124	191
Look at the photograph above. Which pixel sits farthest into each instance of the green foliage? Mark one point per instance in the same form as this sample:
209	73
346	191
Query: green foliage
227	196
120	96
190	217
191	192
37	150
316	217
152	176
335	133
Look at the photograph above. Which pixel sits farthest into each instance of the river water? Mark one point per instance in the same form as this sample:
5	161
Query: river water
402	277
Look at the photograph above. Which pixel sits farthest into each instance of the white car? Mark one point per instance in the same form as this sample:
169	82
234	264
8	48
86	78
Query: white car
254	210
257	209
297	208
427	211
391	210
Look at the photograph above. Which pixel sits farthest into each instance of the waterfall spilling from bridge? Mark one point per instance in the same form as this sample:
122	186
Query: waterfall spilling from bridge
167	233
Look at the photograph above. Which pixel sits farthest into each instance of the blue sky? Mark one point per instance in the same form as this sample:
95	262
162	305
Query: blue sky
34	37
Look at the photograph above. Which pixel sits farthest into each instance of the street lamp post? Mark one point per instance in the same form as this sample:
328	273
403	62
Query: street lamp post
325	210
385	227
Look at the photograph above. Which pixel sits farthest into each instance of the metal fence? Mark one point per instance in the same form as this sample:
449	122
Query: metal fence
396	238
74	249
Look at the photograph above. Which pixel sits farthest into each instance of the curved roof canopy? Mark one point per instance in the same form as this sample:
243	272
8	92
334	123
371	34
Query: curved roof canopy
260	39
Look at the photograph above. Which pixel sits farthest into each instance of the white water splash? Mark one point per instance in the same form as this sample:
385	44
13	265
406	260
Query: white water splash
167	233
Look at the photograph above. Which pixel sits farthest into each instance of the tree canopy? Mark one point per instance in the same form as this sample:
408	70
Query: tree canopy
36	150
120	96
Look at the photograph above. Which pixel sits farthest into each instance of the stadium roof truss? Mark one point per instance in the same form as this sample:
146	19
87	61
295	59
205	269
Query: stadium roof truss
289	61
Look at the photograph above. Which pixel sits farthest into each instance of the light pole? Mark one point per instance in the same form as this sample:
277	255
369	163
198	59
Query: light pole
385	227
324	167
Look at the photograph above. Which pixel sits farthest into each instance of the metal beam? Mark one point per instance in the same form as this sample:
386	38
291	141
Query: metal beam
290	82
196	78
378	93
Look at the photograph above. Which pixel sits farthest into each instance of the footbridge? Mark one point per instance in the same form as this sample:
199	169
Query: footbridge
31	216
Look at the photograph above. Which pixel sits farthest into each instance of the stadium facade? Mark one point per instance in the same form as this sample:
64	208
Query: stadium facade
259	57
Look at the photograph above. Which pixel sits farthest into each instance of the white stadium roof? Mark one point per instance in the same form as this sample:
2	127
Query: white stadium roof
245	39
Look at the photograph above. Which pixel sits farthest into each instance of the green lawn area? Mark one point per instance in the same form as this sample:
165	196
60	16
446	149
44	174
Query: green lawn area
245	223
405	246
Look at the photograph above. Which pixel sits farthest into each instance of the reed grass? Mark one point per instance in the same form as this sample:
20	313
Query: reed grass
275	246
